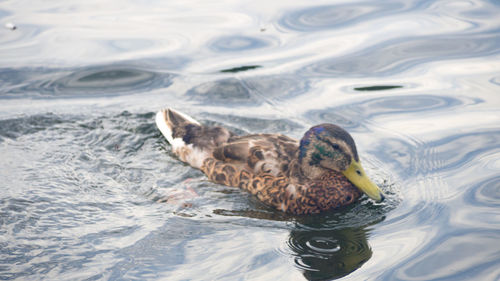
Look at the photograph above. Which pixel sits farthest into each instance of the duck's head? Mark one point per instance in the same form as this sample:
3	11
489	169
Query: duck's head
328	147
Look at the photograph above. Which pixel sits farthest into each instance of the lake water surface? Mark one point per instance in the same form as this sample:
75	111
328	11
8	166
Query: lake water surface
89	189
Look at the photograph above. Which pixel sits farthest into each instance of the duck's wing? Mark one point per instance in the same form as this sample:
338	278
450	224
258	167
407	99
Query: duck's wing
191	141
259	153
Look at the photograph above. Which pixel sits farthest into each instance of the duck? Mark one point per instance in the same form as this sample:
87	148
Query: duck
318	173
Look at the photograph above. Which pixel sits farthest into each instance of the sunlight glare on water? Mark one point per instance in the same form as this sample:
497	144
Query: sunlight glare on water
91	190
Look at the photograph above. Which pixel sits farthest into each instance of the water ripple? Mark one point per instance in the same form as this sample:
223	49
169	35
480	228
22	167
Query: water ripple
404	104
93	191
74	217
277	87
334	16
445	154
225	91
477	208
486	193
350	116
237	43
248	91
459	254
100	81
398	55
334	116
242	124
16	127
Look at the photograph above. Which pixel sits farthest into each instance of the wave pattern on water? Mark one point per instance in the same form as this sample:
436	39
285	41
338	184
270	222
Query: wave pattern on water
337	16
399	55
91	190
92	81
251	91
108	175
237	43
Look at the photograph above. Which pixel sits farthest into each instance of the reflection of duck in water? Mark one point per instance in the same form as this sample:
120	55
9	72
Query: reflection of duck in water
327	246
329	254
317	174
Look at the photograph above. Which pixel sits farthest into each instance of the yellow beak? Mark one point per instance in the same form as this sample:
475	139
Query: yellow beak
356	174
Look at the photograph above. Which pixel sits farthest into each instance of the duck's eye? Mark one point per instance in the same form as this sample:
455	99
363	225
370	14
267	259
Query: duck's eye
335	146
358	172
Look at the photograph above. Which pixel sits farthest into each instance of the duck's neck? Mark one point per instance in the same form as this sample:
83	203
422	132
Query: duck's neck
312	173
308	159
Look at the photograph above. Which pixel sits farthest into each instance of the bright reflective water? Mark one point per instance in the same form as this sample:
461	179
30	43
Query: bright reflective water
90	190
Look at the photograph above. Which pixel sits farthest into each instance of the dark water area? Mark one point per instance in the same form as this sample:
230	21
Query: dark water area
90	190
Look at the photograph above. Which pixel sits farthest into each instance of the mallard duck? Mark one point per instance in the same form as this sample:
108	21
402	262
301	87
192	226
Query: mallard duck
320	172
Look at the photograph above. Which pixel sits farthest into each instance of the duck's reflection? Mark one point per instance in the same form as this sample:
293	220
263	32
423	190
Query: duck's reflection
324	247
329	254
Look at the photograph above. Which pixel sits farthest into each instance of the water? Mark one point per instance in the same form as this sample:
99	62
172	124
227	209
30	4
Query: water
90	190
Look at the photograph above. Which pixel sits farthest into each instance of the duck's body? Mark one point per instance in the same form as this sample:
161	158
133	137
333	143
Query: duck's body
296	177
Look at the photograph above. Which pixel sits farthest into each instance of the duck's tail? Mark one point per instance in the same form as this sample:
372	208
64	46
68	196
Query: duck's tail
191	141
169	120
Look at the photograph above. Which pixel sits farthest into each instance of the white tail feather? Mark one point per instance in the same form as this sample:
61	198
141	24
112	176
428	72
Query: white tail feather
165	128
161	123
185	116
186	152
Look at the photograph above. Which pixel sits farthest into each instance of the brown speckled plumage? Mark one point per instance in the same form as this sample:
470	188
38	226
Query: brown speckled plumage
270	166
289	194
